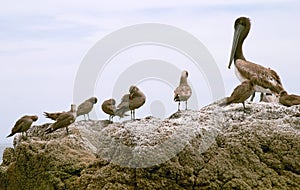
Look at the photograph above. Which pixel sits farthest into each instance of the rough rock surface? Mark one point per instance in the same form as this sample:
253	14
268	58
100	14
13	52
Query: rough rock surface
213	148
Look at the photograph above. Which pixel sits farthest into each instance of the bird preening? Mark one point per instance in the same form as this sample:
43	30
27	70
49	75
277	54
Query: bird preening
253	78
109	107
86	107
129	102
23	124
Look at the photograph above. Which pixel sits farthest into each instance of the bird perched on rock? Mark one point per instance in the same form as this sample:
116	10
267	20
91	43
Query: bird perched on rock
109	107
23	124
123	107
240	94
63	120
268	79
288	99
183	92
136	99
85	107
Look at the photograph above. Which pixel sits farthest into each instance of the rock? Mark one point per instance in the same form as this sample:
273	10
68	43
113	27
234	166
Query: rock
213	148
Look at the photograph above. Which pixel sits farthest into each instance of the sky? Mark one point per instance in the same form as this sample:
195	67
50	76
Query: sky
43	45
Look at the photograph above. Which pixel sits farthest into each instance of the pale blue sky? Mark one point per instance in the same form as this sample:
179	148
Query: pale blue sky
43	43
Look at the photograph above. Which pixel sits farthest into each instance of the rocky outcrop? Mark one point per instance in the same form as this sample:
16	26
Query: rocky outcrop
213	148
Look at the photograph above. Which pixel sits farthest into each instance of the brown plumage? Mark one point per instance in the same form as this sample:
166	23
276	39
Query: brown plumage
64	120
85	107
109	107
240	94
289	99
136	99
123	107
52	116
268	80
183	92
23	124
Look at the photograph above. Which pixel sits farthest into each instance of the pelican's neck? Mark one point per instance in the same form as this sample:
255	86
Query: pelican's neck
239	50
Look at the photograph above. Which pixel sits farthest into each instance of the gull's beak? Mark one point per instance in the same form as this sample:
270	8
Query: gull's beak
236	37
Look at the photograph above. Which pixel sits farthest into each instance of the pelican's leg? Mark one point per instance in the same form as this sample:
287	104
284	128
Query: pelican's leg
178	105
67	130
88	117
252	97
261	96
131	114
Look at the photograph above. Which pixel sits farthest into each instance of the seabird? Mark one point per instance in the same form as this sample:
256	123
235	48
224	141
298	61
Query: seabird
64	120
268	80
23	124
240	94
183	92
85	107
109	107
123	107
136	99
288	99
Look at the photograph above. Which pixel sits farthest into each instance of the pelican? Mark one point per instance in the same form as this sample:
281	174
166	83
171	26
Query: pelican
268	80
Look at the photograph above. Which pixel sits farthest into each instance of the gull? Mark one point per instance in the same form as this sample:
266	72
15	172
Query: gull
109	107
136	100
23	124
64	120
85	107
183	92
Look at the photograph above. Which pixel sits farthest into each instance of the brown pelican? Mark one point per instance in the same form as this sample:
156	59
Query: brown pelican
289	99
183	92
109	107
23	124
268	80
64	120
85	107
241	93
136	99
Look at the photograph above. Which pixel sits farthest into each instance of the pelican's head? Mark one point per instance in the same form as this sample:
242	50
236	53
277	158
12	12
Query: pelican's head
241	29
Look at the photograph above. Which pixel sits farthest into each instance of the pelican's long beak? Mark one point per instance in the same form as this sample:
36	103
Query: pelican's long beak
236	37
